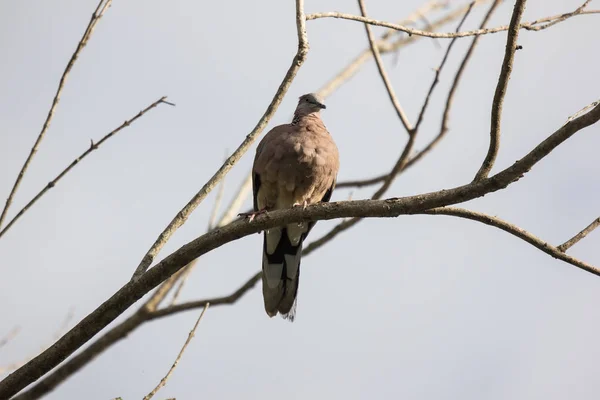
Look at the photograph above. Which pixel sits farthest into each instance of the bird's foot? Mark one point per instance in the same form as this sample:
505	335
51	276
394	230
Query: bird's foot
304	204
253	214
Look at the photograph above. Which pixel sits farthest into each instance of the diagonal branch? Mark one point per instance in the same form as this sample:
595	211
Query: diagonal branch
439	69
507	65
93	146
103	5
586	231
186	211
142	315
384	76
134	290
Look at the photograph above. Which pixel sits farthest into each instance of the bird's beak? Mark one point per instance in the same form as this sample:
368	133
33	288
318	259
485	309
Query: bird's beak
323	106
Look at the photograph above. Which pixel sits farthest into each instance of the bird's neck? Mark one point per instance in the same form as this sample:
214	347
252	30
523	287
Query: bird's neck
300	116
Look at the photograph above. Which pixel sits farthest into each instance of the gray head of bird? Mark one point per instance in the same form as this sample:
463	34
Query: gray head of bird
310	103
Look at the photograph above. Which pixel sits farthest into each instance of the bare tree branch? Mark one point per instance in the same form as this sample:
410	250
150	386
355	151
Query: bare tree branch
163	381
385	45
513	230
444	127
186	211
444	35
225	300
134	290
439	69
384	76
507	65
93	146
146	312
103	5
551	21
586	231
212	221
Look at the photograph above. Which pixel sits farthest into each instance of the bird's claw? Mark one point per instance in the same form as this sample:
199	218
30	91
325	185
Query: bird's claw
251	215
304	204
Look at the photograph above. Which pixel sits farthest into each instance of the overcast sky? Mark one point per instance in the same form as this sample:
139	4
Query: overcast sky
417	307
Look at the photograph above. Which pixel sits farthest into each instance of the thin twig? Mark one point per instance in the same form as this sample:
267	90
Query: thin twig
186	211
498	102
9	336
93	146
439	69
185	274
551	21
212	221
586	231
384	76
404	158
438	35
228	216
216	301
237	202
163	381
410	162
103	5
454	87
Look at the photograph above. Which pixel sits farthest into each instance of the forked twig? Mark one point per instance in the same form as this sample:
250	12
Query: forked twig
93	146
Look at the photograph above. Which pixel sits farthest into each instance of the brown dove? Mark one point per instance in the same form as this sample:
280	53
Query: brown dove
295	165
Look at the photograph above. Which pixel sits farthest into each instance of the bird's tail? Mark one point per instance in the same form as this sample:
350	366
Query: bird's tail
282	250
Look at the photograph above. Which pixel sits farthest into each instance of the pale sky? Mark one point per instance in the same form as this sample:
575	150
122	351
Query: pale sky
417	307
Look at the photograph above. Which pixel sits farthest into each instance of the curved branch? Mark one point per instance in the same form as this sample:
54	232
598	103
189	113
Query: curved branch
135	290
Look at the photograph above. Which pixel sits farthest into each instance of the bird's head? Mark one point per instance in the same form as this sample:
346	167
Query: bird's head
309	103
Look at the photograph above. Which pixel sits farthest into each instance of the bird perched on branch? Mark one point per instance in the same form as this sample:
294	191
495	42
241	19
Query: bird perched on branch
295	165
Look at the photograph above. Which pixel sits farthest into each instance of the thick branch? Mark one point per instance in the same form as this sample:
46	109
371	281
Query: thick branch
143	314
183	215
134	290
103	5
507	65
93	146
